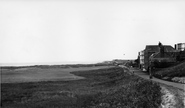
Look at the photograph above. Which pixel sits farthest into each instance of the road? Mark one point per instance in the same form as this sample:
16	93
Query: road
146	76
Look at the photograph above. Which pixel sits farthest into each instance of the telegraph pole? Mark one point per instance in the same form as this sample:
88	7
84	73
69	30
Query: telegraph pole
0	86
1	73
1	77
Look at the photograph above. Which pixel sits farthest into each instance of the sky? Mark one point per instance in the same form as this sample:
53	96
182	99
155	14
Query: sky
86	31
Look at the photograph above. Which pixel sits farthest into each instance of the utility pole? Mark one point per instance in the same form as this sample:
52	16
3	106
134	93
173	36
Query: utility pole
1	76
1	73
0	85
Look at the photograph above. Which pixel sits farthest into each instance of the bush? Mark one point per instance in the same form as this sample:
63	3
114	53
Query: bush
177	79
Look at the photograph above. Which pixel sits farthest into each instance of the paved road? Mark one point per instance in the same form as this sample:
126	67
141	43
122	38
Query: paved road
146	76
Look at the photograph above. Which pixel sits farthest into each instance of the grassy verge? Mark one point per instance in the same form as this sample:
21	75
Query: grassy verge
173	73
103	88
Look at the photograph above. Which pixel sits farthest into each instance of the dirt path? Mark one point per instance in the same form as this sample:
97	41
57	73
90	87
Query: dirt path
172	97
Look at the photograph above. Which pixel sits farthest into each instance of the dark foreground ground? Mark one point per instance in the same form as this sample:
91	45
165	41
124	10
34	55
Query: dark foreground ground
102	88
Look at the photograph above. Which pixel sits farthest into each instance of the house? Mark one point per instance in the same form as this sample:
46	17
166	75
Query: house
180	47
141	59
158	53
163	58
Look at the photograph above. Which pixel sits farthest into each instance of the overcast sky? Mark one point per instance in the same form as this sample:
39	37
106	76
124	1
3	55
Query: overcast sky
85	31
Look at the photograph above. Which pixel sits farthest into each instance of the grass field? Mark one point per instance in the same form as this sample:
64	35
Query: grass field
102	88
35	74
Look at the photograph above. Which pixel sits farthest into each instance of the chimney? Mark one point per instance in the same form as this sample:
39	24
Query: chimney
161	49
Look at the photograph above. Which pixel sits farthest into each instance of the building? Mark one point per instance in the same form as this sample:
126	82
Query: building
141	59
158	52
180	46
163	58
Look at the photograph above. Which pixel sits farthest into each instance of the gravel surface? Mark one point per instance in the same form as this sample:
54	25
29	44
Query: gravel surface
172	97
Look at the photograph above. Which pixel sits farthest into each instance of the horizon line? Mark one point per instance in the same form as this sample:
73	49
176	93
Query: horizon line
56	63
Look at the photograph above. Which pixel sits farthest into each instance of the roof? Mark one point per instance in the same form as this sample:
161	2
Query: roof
158	55
156	48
